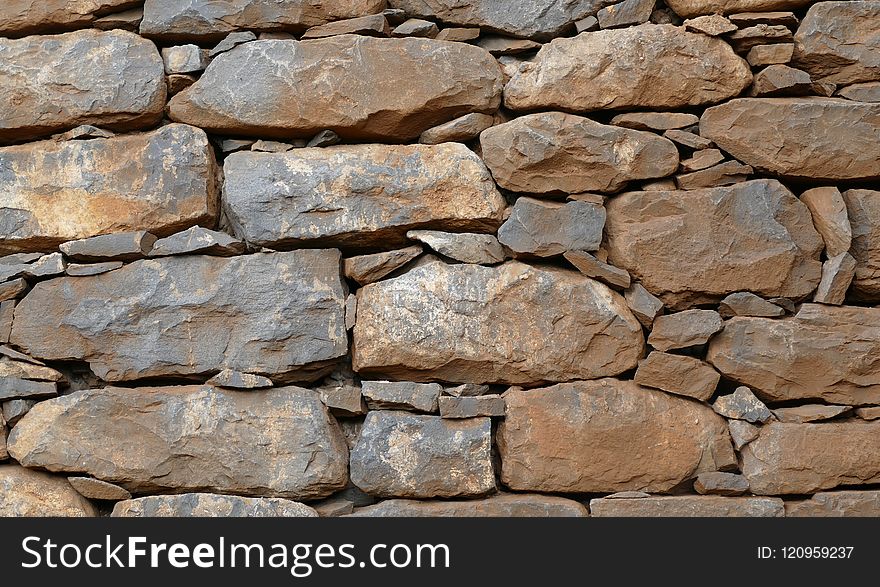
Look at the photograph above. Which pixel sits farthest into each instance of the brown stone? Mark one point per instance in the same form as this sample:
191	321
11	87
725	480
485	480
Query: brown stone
7	307
830	218
742	433
744	303
593	267
868	412
505	505
462	129
463	247
776	54
231	379
644	305
836	504
868	92
713	25
729	173
26	493
373	25
19	18
498	46
459	34
656	121
691	8
689	506
747	19
97	489
863	210
781	80
760	34
416	27
678	374
684	329
718	483
837	274
23	370
810	413
702	159
366	269
688	139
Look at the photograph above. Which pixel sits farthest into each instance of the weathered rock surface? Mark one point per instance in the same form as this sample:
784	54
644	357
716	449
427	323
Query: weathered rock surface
804	138
366	269
689	506
26	493
692	247
286	444
51	192
570	327
545	229
207	505
444	80
690	8
744	303
742	405
464	247
198	240
605	436
719	483
836	504
606	70
868	92
119	246
810	413
401	395
399	454
97	489
678	374
461	129
781	80
505	505
593	267
863	210
727	173
53	83
684	329
359	196
795	458
491	405
822	353
553	152
374	25
656	121
775	54
644	305
837	274
237	380
271	314
830	218
26	17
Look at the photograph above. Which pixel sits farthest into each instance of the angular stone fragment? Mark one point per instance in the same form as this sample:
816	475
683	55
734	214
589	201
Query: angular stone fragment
810	413
198	240
688	139
444	81
83	132
795	458
401	395
161	182
333	507
464	247
499	46
718	483
552	152
626	13
19	258
606	70
863	210
644	305
182	59
777	54
23	370
79	270
231	41
177	82
359	196
472	407
26	493
589	23
569	327
836	504
278	314
702	159
838	41
818	354
236	380
729	173
54	83
462	129
373	25
691	8
46	266
837	274
325	138
747	19
467	390
416	27
15	409
760	34
17	388
781	80
805	138
19	18
742	405
684	329
678	374
545	229
127	20
742	433
285	442
593	267
122	246
869	92
399	454
605	436
459	34
656	121
830	218
744	303
689	506
343	400
97	489
865	413
7	307
504	505
366	269
694	247
713	25
3	453
207	505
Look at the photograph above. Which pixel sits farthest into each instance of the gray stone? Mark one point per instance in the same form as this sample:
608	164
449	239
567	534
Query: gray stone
231	41
691	8
836	504
401	395
49	265
830	218
343	400
97	489
744	303
546	229
644	305
684	329
837	275
325	138
498	46
271	147
334	507
742	405
122	246
467	390
462	129
79	270
482	249
198	240
689	506
590	23
863	211
7	307
415	27
678	374
491	405
593	267
868	92
626	13
207	505
127	20
26	493
810	413
742	433
366	269
84	132
459	34
373	25
236	380
719	483
17	388
182	59
504	505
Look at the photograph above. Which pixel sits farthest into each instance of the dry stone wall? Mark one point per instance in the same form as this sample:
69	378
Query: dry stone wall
440	258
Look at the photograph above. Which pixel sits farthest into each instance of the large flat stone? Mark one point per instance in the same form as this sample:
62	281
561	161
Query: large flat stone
297	89
505	505
274	314
453	323
26	493
836	504
358	196
863	210
280	442
207	505
26	17
689	506
51	83
606	436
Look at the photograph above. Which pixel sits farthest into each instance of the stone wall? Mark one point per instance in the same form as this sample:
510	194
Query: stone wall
440	258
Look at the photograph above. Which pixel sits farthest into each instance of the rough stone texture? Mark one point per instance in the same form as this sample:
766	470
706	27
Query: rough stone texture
97	489
865	413
472	407
822	353
810	413
120	246
744	39
684	329
207	505
374	25
606	69
809	138
444	80
401	395
744	303
625	13
416	27
461	129
605	436
718	483
713	25
795	458
161	182
271	314
570	328
863	210
54	83
366	269
505	505
702	159
830	218
19	18
690	8
16	388
358	196
742	433
399	454
198	240
678	374
546	229
781	80
464	247
656	121
236	380
728	173
742	405
869	92
645	306
593	267
836	504
775	54
837	274
26	493
689	506
286	444
79	270
693	247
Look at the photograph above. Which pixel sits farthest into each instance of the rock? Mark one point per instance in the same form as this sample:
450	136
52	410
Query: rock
207	505
122	246
818	354
97	489
17	356
206	20
278	314
691	8
606	436
78	270
863	210
177	82
655	121
869	92
713	25
747	19
198	240
7	307
742	433
718	483
366	269
836	504
729	173
415	27
744	303
444	81
459	34
83	132
837	274
688	139
15	409
781	80
184	59
589	23
644	305
395	16
810	413
285	442
795	458
11	289
678	244
593	267
553	152
271	147
162	181
24	17
830	218
128	20
19	258
571	327
742	405
626	13
678	374
236	380
806	138
325	138
399	454
54	83
472	407
606	70
503	505
684	329
467	390
333	507
498	46
359	196
689	506
231	41
865	413
761	34
26	493
483	249
343	400
776	54
23	370
233	145
837	41
702	159
373	25
46	266
17	388
401	395
545	229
